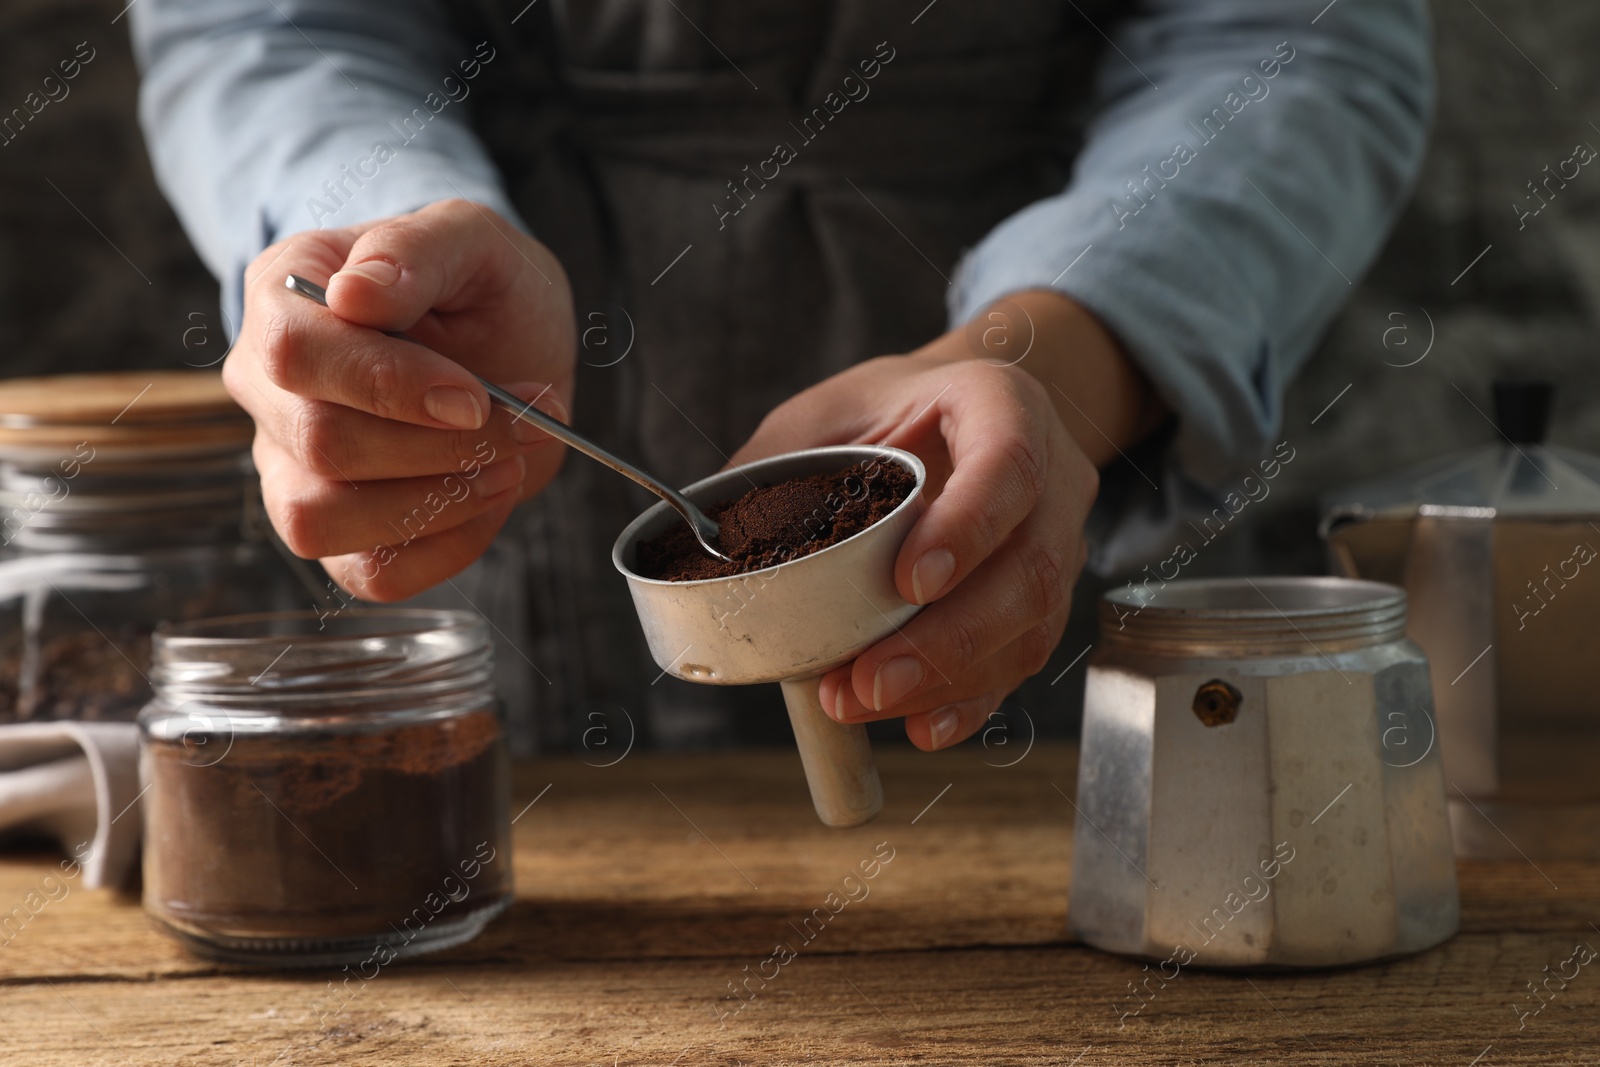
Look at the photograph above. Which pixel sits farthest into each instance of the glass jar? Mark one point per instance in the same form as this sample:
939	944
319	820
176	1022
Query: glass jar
126	500
325	790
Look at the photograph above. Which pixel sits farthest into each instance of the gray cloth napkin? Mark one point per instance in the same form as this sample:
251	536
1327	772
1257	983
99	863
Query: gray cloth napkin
76	782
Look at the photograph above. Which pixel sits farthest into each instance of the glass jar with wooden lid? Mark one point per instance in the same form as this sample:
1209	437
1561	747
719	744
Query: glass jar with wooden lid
126	499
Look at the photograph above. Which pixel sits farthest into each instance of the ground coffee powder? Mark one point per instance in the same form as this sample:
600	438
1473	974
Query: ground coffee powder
289	841
775	523
88	674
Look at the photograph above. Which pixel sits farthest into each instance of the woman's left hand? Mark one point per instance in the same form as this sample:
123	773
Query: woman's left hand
998	550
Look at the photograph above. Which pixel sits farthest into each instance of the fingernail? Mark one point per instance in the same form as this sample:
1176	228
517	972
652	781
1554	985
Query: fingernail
499	477
942	726
376	271
833	707
895	679
931	574
454	406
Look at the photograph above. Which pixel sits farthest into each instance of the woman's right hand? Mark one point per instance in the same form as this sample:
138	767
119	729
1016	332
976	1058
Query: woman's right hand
380	458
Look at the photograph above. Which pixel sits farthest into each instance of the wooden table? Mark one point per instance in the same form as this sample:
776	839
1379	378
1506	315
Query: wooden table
644	889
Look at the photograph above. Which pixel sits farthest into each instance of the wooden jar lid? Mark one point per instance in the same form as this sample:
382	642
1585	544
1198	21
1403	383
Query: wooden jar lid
132	397
139	413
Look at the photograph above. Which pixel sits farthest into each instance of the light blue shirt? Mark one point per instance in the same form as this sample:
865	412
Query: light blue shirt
1227	196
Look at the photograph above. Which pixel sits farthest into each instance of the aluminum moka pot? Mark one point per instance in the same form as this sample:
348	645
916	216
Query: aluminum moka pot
1257	785
790	623
1498	550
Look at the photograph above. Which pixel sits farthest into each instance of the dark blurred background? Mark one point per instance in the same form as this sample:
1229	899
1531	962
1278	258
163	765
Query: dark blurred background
95	272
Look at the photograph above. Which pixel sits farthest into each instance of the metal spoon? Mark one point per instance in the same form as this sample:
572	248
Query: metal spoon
705	531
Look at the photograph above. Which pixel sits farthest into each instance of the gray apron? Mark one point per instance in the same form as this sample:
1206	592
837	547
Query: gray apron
619	126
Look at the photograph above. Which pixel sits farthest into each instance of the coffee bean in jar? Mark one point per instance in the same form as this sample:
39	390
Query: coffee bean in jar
325	790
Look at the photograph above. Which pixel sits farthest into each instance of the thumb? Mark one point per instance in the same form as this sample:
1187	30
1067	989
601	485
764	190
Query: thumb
444	257
806	420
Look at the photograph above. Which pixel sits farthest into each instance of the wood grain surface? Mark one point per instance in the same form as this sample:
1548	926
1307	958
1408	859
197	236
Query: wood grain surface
646	888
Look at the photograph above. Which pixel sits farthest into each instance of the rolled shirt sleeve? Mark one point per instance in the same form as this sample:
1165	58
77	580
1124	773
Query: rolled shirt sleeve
1243	167
268	117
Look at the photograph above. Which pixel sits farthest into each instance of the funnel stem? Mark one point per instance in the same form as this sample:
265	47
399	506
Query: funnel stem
837	757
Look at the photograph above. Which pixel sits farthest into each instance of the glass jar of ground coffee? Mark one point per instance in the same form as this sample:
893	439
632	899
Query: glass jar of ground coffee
324	789
126	500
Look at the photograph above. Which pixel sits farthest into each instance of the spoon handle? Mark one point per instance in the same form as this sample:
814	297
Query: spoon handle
524	410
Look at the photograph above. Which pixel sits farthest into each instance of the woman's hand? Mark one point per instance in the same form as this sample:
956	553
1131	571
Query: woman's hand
999	413
999	549
381	458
